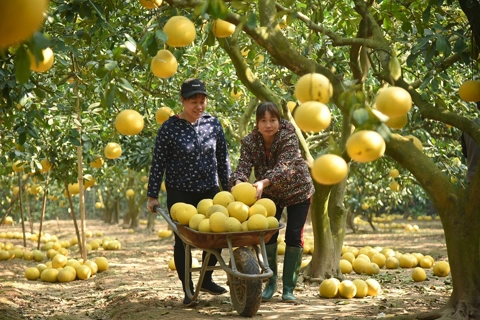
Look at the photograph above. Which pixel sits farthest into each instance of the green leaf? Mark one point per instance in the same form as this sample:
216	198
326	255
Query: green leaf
74	141
126	85
32	131
442	44
111	65
22	65
360	116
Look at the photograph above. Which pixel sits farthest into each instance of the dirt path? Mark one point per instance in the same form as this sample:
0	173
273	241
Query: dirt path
139	285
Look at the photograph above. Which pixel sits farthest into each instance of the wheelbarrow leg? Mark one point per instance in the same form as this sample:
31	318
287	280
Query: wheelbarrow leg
190	294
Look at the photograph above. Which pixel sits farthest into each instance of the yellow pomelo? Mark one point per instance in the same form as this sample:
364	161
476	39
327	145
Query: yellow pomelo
312	116
74	188
102	263
92	265
291	105
129	193
269	205
234	225
184	213
397	122
174	208
236	96
418	144
345	266
430	257
329	169
113	150
38	255
195	220
441	268
28	255
223	198
49	275
379	259
88	181
165	233
35	189
245	226
74	263
164	64
238	210
216	208
362	288
171	264
313	87
418	274
394	186
349	256
257	222
222	28
394	173
83	272
41	267
203	205
426	263
257	209
372	268
281	248
46	165
67	275
245	192
17	166
359	265
42	65
97	162
19	20
180	31
151	4
406	261
94	244
470	91
129	122
15	190
373	287
218	222
347	289
393	101
329	288
59	261
272	223
163	114
32	273
365	146
204	225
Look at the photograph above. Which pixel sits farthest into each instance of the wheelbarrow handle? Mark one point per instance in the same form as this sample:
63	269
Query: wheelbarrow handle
167	218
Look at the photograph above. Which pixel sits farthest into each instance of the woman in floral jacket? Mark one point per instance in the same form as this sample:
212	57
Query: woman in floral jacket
282	175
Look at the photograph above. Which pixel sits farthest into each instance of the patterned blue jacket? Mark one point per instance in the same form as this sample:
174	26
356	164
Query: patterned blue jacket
193	157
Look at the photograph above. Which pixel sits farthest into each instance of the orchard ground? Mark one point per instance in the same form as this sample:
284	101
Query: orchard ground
139	284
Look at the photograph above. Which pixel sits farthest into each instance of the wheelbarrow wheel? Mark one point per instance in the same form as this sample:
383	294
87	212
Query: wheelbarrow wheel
246	294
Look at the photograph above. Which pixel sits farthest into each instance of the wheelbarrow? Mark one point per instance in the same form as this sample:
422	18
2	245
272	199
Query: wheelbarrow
247	268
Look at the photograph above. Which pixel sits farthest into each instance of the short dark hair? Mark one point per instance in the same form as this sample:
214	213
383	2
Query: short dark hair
265	107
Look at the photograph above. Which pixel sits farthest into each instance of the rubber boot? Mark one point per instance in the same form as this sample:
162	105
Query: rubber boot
291	267
271	286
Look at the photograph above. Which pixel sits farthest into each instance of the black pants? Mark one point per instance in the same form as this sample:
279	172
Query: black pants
296	217
193	198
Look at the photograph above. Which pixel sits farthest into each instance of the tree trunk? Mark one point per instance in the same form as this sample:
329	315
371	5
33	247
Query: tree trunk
325	257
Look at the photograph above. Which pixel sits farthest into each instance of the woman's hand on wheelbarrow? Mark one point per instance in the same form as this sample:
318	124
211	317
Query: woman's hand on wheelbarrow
152	203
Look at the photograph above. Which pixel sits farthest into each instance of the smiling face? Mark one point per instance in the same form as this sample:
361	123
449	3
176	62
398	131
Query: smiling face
268	126
194	107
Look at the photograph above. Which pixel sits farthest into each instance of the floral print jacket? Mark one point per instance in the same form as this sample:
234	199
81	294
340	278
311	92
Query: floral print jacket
193	157
290	178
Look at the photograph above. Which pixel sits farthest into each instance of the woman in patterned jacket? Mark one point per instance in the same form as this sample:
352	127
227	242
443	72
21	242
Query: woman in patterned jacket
282	175
191	152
